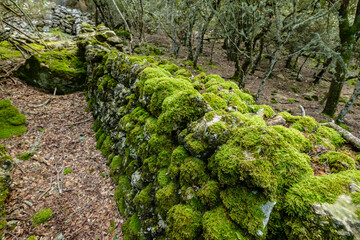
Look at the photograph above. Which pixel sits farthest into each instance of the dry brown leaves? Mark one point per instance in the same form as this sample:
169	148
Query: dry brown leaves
86	209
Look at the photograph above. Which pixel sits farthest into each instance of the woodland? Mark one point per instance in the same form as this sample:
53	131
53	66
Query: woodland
168	119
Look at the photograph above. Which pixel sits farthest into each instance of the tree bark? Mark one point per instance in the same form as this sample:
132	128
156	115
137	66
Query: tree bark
351	102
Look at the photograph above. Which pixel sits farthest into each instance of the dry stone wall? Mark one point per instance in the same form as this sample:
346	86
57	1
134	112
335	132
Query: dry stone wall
194	158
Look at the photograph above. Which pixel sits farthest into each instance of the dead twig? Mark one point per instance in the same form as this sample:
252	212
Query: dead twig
60	177
47	190
302	111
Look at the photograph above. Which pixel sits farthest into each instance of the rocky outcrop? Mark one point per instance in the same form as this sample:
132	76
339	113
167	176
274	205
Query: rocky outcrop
194	158
5	183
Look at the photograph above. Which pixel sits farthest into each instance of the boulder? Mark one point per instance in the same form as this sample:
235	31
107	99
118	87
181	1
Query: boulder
62	70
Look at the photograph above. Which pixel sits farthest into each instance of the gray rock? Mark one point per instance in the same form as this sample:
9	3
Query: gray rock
110	34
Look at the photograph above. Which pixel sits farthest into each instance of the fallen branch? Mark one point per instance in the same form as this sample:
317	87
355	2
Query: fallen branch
60	177
46	102
354	141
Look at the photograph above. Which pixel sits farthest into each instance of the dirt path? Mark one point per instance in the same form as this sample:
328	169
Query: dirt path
86	209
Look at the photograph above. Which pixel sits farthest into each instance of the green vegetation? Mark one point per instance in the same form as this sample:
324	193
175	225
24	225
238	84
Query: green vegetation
12	123
42	216
25	156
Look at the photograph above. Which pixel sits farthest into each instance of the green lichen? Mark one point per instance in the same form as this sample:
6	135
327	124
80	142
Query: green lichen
184	223
42	216
217	225
338	161
12	123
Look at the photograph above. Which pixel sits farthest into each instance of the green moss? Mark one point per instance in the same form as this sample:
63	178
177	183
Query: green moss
97	125
196	146
132	228
338	161
106	146
99	132
248	119
67	171
122	33
64	68
291	100
100	140
42	217
323	189
295	89
184	223
177	159
167	197
215	101
267	110
180	109
305	124
294	137
209	194
183	72
328	138
115	168
161	88
192	172
261	157
12	123
172	68
141	60
143	200
123	195
356	198
217	225
244	208
162	178
25	156
8	51
32	238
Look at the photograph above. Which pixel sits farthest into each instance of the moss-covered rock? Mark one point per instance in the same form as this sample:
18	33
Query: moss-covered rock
184	223
5	183
338	161
60	70
12	123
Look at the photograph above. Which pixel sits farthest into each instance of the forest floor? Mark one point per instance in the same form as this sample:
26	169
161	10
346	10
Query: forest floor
61	131
278	91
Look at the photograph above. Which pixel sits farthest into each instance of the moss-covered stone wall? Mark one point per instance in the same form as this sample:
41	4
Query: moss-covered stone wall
5	182
194	158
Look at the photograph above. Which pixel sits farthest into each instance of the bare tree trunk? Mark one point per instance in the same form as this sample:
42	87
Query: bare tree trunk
258	58
351	102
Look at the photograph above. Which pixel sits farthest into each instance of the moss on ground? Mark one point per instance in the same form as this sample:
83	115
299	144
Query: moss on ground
12	123
42	216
